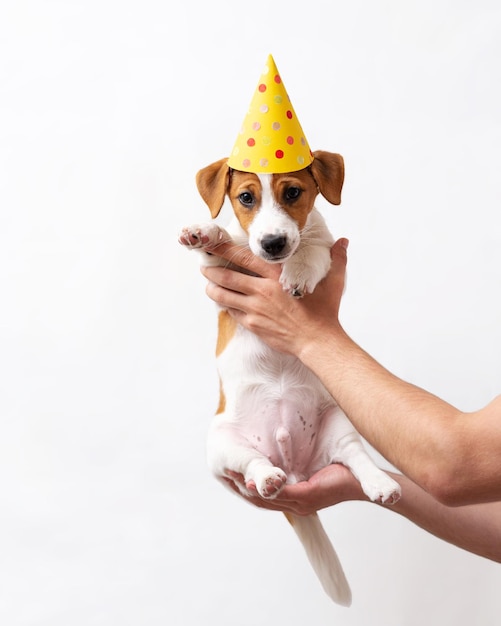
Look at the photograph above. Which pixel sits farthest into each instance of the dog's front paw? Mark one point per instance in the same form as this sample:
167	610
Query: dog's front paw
296	286
304	270
201	235
298	280
296	291
291	283
382	488
269	481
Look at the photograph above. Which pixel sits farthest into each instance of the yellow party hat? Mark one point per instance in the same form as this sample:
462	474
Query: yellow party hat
271	140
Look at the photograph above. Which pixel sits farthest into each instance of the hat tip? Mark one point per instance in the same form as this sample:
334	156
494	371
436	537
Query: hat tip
270	60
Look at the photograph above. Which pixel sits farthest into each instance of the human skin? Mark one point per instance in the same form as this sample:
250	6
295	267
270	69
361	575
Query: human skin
452	455
450	460
474	527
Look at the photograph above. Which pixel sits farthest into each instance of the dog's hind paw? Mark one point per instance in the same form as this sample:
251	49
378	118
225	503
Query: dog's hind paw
384	489
269	481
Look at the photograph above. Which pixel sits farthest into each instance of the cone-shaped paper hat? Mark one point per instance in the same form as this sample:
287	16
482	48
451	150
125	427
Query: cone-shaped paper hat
271	140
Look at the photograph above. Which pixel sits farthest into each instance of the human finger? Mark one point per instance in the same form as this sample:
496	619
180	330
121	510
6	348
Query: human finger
339	252
243	257
236	482
235	303
230	279
336	278
236	477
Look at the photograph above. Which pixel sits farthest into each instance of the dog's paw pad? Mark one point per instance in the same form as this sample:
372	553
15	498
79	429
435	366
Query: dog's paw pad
191	238
391	498
200	235
384	492
270	483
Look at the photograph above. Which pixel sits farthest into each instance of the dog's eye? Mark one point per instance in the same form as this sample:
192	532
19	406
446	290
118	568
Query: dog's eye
247	199
292	193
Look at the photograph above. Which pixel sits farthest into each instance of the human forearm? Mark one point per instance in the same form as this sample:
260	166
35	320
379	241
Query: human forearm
475	527
416	431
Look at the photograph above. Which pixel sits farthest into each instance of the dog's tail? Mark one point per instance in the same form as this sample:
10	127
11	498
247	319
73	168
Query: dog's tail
322	556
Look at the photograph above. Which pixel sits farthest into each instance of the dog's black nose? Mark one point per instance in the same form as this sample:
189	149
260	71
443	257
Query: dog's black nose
273	244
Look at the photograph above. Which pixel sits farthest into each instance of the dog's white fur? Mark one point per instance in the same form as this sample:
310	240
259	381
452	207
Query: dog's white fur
276	422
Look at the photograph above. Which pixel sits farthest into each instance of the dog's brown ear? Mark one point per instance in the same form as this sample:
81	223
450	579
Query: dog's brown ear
212	183
328	171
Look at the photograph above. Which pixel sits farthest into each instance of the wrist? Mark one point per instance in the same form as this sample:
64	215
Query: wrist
322	346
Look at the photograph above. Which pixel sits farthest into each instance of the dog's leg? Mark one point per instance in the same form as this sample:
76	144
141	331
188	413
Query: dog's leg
305	269
302	272
376	484
229	451
347	448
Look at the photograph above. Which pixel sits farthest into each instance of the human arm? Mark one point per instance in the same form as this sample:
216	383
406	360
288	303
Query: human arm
475	527
454	456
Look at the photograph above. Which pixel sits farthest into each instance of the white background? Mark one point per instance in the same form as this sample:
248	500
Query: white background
108	515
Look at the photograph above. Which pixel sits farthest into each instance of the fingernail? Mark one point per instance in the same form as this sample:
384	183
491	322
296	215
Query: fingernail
344	243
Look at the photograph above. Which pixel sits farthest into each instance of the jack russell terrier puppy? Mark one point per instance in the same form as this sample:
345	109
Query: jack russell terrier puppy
276	423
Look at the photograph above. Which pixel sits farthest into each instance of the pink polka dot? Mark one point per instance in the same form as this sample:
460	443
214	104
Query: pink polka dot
262	87
276	125
279	154
290	140
246	163
251	142
289	115
263	162
256	126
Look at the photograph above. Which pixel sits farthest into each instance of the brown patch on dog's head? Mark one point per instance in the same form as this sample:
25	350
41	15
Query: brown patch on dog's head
325	175
295	193
245	196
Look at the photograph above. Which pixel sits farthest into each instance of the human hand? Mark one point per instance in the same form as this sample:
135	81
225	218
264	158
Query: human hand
260	304
331	485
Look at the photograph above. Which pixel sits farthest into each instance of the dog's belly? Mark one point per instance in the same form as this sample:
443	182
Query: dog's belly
287	430
278	406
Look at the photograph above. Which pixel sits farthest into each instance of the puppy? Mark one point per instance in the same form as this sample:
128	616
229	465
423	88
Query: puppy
276	423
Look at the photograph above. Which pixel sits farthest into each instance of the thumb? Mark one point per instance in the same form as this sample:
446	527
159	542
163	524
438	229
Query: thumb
339	253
